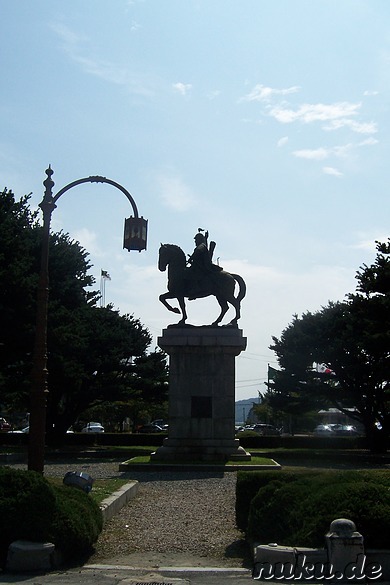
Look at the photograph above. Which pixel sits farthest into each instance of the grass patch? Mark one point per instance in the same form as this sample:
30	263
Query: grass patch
252	461
101	489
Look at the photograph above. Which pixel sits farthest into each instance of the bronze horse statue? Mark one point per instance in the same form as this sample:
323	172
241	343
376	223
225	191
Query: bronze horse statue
219	283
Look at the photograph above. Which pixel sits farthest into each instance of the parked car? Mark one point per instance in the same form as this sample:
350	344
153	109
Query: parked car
345	430
245	428
264	429
160	422
335	430
27	430
324	431
93	427
4	425
150	428
24	430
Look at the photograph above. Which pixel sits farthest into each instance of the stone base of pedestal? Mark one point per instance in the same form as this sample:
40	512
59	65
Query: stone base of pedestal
200	450
202	394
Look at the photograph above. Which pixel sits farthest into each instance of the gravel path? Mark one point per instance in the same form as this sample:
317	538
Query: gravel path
176	518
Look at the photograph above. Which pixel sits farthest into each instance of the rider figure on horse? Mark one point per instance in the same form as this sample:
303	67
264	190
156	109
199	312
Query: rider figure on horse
201	268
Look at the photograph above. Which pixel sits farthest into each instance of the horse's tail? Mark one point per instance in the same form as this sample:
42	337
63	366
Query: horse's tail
242	285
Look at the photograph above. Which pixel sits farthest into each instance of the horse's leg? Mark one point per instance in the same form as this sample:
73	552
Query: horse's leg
236	305
224	308
182	305
163	298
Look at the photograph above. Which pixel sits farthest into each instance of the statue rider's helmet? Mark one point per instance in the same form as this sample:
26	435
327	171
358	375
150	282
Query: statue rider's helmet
199	239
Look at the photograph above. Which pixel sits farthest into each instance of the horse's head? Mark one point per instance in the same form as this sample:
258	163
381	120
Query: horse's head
163	257
170	253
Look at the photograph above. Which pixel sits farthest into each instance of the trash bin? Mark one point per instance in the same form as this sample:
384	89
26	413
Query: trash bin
78	479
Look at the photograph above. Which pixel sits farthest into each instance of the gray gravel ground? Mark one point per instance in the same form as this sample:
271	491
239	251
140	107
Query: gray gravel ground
188	516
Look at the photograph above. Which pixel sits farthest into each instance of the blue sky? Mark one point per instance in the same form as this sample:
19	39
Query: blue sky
264	121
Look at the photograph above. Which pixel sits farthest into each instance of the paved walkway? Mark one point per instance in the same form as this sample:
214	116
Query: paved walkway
114	575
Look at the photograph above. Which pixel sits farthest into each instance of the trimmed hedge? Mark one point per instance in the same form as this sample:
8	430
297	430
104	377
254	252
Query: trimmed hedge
92	439
300	442
77	523
255	441
27	506
249	483
298	511
33	509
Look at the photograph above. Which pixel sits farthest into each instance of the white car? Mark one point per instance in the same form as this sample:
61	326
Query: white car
324	431
93	427
25	430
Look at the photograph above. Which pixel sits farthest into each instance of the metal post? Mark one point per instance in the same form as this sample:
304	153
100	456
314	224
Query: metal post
38	395
39	389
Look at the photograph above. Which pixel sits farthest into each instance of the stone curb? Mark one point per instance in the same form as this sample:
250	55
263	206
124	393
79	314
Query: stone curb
191	467
111	505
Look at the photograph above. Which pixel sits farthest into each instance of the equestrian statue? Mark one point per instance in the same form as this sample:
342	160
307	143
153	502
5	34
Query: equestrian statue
199	277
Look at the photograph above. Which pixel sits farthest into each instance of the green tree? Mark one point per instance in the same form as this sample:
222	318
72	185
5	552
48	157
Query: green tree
90	361
92	351
352	338
285	411
18	275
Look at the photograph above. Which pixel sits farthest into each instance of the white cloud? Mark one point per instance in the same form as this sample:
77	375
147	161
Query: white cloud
343	151
368	142
308	113
359	127
134	83
88	240
182	88
282	141
261	93
135	26
175	193
213	94
114	73
329	117
367	242
371	92
322	153
313	154
332	171
71	40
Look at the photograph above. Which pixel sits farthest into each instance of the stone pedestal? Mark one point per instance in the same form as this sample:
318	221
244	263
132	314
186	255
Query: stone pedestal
201	393
345	550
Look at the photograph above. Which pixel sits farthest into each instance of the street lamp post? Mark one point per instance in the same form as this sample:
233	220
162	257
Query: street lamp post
135	238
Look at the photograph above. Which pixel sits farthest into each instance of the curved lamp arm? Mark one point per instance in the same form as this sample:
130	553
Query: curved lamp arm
97	179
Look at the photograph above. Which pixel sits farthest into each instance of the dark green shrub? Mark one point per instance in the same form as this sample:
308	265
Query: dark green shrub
78	521
33	509
275	512
364	502
27	507
249	483
299	513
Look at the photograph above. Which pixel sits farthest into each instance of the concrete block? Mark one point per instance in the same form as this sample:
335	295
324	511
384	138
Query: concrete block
273	553
24	555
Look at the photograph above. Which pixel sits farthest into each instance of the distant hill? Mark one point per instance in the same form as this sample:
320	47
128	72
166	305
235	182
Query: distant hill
243	407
